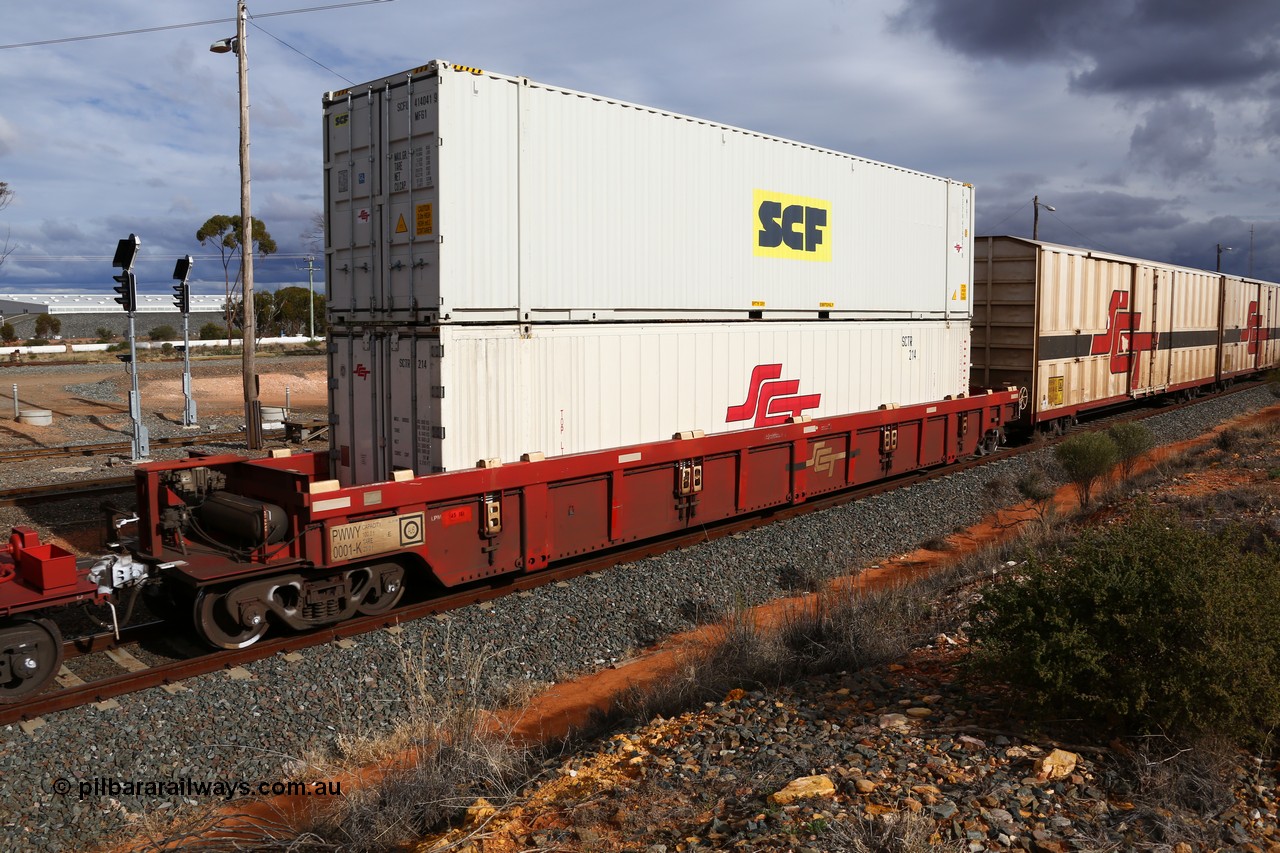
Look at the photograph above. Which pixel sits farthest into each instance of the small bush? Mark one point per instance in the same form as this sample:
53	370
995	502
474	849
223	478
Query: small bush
1228	440
1086	459
1131	440
162	333
38	342
211	331
1149	626
105	335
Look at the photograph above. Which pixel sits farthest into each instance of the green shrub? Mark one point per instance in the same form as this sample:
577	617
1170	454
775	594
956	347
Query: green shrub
1086	458
1131	440
1148	626
211	331
162	333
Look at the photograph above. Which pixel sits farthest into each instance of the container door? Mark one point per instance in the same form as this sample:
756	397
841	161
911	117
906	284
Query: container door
410	252
358	391
353	210
1157	336
959	249
1271	330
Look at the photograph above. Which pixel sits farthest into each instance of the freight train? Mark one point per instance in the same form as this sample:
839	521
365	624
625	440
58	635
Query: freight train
560	323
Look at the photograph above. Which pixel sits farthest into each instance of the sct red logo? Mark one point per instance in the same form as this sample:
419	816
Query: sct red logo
770	399
1253	332
361	371
1122	338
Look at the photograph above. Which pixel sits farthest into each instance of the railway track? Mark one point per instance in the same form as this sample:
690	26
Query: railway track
113	448
73	691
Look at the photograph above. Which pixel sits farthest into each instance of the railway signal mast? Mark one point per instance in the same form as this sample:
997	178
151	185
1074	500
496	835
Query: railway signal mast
127	287
182	299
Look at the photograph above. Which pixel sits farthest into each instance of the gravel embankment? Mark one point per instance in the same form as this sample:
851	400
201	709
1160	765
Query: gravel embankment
251	730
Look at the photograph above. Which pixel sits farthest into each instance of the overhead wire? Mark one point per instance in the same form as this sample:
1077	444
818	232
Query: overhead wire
92	36
349	81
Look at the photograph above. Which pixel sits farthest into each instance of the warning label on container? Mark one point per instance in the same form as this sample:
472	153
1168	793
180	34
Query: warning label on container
366	538
424	222
1055	390
401	228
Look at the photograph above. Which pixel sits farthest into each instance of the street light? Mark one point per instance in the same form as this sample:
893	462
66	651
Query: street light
1035	222
252	416
1221	249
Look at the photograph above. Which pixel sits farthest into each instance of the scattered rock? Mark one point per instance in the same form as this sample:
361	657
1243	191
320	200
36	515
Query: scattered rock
804	788
1058	764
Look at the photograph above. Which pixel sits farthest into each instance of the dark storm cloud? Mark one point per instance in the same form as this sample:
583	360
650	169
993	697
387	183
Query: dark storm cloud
1100	219
1134	225
1174	138
1116	46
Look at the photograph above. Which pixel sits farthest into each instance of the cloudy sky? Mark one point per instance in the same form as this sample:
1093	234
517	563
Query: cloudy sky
1153	126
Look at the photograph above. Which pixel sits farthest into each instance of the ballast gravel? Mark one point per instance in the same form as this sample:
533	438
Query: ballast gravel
65	784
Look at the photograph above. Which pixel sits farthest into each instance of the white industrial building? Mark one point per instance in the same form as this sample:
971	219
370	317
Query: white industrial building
12	304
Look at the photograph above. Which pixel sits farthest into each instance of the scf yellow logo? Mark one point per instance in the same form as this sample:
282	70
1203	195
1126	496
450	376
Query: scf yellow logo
792	226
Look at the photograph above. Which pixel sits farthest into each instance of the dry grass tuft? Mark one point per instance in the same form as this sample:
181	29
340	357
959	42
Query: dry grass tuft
896	832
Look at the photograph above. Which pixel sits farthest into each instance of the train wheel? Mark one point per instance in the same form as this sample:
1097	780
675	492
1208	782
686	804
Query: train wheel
381	590
30	655
223	628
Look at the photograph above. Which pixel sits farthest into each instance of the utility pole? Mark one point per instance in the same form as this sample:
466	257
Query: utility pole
252	408
1250	251
311	297
1035	221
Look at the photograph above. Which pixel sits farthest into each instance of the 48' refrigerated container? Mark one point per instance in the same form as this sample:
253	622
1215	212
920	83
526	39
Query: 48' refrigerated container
459	195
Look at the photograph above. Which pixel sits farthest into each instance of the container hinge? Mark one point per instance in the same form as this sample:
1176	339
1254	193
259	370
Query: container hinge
437	432
492	515
437	350
437	391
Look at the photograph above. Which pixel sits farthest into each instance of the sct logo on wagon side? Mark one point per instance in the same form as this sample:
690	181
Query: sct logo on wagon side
792	226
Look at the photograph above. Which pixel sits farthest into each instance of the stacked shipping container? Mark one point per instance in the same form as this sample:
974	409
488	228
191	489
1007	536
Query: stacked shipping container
516	268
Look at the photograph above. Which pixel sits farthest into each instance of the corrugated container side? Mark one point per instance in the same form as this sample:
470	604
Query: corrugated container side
433	398
465	197
1189	343
1251	325
1269	325
1077	327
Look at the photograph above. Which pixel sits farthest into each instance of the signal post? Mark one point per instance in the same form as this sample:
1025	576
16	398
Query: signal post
127	288
182	299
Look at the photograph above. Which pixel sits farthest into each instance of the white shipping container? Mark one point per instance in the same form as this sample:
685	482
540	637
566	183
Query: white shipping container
444	398
455	195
